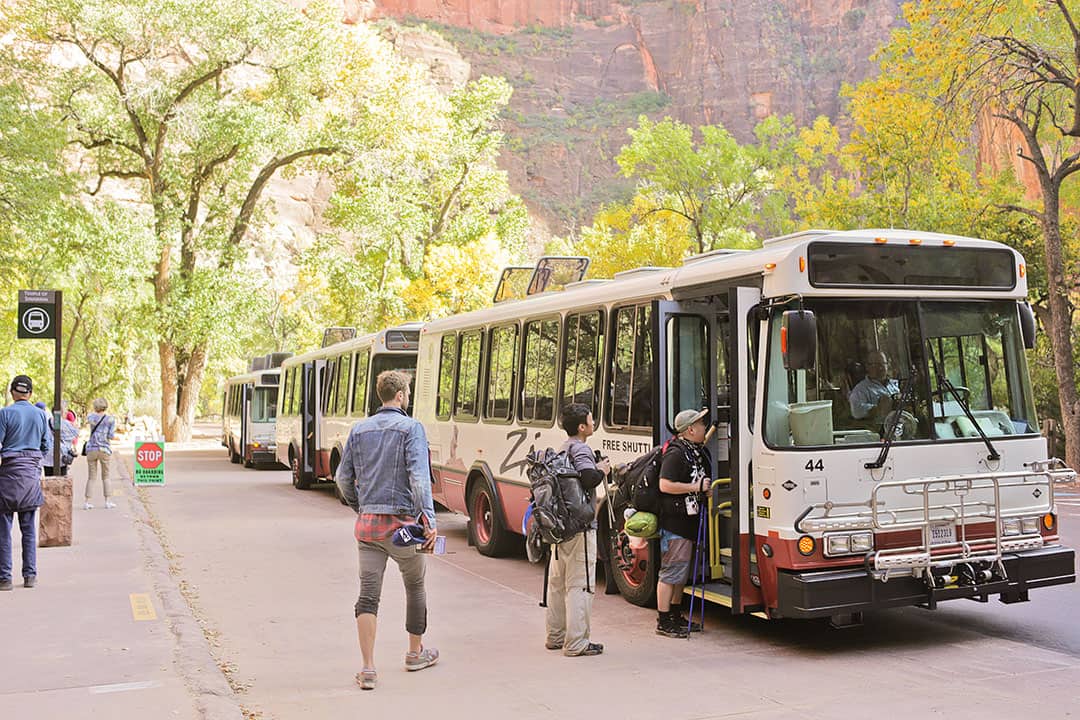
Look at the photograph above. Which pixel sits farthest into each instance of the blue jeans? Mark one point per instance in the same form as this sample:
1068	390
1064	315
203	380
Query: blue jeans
28	527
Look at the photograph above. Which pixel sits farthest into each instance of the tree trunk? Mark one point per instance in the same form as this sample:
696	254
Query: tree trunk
1061	326
169	380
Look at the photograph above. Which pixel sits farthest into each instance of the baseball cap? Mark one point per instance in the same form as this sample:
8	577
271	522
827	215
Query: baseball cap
22	384
686	418
40	405
408	535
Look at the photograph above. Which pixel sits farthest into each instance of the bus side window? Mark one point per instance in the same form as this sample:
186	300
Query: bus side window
631	386
581	360
502	366
341	401
360	383
297	376
468	375
446	377
539	374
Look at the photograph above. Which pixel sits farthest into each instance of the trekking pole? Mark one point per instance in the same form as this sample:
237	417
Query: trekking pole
694	569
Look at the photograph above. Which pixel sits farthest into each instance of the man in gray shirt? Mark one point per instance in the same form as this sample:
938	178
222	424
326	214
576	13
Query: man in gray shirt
569	605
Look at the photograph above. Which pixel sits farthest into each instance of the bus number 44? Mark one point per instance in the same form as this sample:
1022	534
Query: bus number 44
814	465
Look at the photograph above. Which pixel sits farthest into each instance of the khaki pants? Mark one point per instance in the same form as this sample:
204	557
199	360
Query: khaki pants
93	459
569	603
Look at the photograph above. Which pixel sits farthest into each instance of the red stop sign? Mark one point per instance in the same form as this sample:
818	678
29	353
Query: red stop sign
149	456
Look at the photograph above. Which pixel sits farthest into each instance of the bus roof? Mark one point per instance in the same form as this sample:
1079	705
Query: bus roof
376	340
773	266
254	378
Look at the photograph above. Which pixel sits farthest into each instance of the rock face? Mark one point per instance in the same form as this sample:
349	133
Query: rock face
54	517
585	69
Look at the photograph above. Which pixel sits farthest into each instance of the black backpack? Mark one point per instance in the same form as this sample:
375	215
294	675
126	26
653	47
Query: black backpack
561	508
641	480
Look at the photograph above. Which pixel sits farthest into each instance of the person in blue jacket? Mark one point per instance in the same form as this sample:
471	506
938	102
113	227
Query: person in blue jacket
24	433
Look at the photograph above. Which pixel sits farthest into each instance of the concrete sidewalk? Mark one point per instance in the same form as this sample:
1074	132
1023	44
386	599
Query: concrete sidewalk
106	632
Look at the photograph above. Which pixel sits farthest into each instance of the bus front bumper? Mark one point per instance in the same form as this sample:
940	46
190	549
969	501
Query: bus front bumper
836	592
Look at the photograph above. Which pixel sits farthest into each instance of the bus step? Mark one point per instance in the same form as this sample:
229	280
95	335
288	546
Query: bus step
714	592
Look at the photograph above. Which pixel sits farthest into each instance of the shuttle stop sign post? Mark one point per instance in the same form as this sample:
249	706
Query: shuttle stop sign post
149	463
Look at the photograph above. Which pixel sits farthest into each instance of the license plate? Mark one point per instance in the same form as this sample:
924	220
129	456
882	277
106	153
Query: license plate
942	534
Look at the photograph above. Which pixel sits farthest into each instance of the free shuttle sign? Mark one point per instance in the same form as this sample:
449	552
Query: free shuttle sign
149	463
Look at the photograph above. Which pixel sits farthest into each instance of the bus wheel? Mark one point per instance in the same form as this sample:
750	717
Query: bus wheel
486	529
234	457
634	569
299	480
249	463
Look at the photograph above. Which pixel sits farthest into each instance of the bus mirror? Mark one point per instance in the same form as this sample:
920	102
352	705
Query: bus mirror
1027	325
798	339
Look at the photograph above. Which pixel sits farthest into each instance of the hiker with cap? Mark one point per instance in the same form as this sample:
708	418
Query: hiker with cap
69	433
572	562
23	438
684	478
385	477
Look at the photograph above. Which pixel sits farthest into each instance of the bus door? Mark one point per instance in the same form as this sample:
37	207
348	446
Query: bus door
692	372
245	421
703	362
743	349
310	400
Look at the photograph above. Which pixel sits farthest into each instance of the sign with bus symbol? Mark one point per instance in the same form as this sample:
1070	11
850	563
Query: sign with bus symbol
149	463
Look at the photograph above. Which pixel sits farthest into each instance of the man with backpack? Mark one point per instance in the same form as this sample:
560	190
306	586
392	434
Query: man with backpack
570	568
684	477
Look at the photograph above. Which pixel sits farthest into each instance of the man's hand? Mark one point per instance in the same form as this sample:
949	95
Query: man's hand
430	534
604	466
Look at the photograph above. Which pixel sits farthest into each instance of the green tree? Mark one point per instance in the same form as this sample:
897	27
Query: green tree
715	184
193	106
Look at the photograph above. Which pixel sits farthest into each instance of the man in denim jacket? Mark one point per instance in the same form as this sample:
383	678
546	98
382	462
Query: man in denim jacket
385	477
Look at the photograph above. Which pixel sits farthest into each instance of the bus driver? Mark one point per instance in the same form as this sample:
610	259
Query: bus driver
872	398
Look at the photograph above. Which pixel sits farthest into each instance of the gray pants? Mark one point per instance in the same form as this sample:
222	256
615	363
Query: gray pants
411	565
569	602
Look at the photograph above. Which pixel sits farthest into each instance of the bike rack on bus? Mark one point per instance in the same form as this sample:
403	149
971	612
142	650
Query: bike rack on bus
945	500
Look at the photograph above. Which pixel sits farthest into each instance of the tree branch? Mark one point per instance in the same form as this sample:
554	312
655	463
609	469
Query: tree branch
240	226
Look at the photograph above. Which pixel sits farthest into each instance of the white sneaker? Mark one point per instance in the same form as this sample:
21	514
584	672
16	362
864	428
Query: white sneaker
110	504
88	506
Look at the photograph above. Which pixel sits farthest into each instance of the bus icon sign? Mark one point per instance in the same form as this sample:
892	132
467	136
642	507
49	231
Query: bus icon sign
37	314
35	320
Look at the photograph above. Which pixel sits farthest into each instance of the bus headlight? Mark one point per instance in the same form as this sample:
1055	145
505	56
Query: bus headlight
849	544
1010	526
1029	526
837	545
862	542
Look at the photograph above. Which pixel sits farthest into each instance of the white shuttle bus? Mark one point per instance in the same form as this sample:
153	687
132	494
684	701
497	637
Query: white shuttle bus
249	413
877	443
324	392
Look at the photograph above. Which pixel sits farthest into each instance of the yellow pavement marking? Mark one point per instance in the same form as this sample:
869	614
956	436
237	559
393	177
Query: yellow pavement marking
141	607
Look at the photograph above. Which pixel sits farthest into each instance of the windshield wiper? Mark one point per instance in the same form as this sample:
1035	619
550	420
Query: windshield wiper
907	393
945	384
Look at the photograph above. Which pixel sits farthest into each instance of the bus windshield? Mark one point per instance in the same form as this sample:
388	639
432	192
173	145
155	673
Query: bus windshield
923	370
264	404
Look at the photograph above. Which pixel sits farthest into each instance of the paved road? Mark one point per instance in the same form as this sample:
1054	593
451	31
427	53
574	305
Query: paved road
271	572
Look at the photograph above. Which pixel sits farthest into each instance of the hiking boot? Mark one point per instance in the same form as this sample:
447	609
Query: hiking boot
29	581
366	679
6	585
669	626
552	646
694	626
420	660
88	506
590	650
109	504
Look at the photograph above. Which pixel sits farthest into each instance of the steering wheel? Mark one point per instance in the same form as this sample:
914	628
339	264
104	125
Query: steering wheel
906	428
940	394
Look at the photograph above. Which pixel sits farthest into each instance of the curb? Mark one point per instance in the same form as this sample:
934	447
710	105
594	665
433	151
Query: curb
193	658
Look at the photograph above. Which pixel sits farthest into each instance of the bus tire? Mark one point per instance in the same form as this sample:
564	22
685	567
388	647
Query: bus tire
634	572
486	530
300	479
334	462
249	463
234	457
